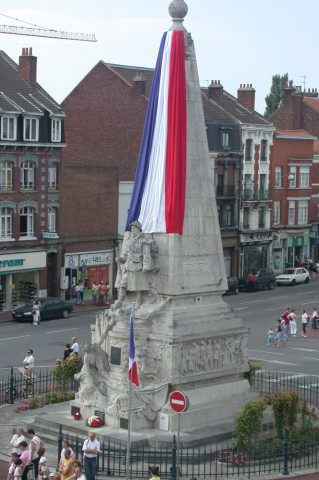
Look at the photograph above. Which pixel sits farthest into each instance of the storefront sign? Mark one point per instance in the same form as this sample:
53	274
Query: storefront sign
50	235
99	258
22	261
257	237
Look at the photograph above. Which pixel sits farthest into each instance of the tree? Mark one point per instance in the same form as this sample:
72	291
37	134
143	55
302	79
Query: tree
274	98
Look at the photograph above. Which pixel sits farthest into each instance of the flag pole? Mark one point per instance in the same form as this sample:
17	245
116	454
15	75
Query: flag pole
129	408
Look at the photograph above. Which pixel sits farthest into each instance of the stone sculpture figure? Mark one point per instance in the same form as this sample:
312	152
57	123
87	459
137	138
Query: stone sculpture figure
136	265
93	375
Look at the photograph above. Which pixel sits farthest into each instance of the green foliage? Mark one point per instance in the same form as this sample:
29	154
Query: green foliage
274	98
248	422
285	407
38	401
65	372
253	367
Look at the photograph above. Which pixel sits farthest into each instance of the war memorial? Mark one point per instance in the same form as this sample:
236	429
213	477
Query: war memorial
171	267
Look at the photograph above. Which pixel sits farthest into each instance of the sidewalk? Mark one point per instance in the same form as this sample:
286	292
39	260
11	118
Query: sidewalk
6	316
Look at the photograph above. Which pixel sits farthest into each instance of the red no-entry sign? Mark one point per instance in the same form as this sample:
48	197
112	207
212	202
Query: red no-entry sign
178	401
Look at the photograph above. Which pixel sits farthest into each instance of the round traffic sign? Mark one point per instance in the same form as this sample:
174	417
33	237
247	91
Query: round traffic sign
178	401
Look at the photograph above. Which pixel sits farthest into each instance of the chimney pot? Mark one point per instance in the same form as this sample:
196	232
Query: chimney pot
28	65
246	96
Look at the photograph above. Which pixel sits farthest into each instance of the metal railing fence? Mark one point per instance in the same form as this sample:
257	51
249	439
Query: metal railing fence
268	382
203	461
16	386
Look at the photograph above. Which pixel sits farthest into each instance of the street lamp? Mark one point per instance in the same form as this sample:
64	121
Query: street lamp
291	177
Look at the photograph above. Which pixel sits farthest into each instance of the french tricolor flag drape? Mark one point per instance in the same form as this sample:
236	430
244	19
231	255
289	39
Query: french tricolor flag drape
132	366
158	198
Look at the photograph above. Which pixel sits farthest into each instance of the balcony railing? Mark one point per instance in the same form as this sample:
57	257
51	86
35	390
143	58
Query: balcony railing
225	191
256	195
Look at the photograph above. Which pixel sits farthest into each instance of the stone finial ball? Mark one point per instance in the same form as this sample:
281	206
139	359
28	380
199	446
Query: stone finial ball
178	9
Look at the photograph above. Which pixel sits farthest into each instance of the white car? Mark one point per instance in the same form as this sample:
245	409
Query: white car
291	276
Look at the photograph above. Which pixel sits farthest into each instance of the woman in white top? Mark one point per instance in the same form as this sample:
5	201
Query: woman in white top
16	439
304	321
36	312
293	323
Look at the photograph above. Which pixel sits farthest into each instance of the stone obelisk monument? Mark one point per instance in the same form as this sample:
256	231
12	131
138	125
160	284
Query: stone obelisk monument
186	336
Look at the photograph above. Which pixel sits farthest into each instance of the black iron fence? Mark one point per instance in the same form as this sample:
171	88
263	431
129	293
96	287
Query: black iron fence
267	382
17	386
203	461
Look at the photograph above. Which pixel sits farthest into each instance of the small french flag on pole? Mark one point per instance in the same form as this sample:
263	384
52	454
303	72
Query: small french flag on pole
132	366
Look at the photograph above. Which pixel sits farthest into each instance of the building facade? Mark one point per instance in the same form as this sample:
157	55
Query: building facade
256	139
291	175
31	143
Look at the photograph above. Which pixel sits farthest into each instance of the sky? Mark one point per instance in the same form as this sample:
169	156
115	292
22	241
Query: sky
236	41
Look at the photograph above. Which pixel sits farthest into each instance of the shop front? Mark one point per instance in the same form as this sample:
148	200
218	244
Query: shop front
296	249
19	277
86	267
254	251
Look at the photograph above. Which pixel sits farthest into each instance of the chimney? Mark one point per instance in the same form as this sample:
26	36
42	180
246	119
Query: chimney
139	82
215	91
246	96
28	65
288	90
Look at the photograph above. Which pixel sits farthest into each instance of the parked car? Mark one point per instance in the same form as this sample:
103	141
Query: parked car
51	307
233	285
292	276
264	278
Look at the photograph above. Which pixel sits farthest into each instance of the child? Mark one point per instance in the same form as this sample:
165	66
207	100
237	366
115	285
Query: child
271	335
14	456
45	473
154	472
18	469
42	464
280	342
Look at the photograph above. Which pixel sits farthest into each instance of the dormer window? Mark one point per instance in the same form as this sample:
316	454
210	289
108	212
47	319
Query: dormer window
8	128
31	129
225	138
55	130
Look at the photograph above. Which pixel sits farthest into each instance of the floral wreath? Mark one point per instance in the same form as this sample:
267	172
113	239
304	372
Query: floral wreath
94	421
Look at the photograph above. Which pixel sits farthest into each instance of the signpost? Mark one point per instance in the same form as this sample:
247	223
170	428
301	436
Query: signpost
179	403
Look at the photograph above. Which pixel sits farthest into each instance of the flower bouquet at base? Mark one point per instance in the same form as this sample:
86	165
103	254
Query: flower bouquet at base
94	421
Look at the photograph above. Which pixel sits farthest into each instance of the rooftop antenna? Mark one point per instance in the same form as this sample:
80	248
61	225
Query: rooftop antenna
304	81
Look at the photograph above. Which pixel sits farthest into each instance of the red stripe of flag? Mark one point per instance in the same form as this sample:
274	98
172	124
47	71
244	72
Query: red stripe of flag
175	174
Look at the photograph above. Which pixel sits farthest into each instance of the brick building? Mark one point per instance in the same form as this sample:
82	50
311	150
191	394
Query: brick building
31	143
291	175
104	123
300	111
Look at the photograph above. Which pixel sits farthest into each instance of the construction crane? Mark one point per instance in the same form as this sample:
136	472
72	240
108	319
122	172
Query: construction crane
47	33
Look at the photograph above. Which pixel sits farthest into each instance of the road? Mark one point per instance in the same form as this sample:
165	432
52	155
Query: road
261	309
258	310
47	340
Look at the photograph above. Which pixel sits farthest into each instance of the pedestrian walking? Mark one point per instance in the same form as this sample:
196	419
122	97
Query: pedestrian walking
271	337
67	352
304	322
279	338
285	323
293	323
314	318
91	449
77	294
251	277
